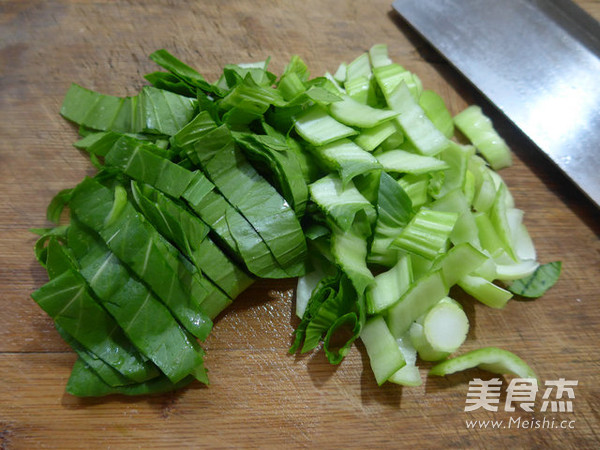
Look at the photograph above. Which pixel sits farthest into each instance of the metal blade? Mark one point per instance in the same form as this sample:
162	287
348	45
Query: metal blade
537	61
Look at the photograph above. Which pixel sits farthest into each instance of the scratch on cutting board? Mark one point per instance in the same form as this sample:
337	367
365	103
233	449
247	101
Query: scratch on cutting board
6	434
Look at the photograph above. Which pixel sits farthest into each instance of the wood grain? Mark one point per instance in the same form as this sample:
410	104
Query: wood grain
259	396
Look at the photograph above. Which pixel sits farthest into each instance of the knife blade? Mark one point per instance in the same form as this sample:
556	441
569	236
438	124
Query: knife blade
537	61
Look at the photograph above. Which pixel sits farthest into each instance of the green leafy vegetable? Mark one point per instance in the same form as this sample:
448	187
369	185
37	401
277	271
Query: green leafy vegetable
190	235
538	282
144	319
85	382
67	300
353	182
333	304
139	246
273	149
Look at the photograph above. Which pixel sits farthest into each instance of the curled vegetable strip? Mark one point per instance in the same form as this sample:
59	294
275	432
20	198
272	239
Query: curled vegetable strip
492	359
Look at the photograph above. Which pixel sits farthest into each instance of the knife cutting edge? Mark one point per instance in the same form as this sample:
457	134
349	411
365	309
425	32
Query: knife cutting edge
537	61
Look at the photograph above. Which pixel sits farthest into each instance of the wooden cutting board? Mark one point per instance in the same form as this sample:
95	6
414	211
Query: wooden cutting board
259	395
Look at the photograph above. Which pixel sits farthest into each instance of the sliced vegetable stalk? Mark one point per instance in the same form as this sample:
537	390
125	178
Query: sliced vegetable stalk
424	348
341	203
318	128
408	375
415	125
460	261
492	359
457	157
394	211
436	110
479	130
369	139
402	161
378	55
388	287
346	158
485	291
465	229
417	188
427	233
421	296
355	114
384	355
446	325
349	250
390	76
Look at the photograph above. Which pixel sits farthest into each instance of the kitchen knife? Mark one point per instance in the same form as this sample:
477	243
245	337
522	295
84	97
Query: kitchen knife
538	61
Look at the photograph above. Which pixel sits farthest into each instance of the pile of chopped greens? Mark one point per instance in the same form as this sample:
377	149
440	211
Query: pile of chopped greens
352	182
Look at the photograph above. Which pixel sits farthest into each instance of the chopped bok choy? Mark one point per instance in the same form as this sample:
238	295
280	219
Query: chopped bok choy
352	182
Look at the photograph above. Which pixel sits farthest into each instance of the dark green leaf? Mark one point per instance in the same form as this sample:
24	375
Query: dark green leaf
334	304
163	112
85	382
40	248
189	234
99	111
144	319
283	165
57	204
181	70
110	376
170	82
139	245
136	160
538	282
66	299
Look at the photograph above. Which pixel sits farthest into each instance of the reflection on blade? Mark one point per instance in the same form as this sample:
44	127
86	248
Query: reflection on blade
538	62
